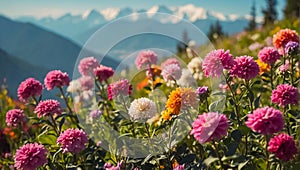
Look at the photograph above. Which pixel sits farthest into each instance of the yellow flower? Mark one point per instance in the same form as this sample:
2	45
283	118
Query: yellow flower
174	102
165	115
263	67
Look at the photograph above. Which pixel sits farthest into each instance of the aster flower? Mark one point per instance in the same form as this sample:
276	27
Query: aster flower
56	78
169	62
210	126
179	167
291	47
245	67
145	58
102	73
285	67
171	73
95	114
48	107
15	117
202	90
109	166
29	88
142	109
265	120
195	66
121	87
282	37
186	79
86	83
87	65
30	156
285	94
283	146
72	140
268	55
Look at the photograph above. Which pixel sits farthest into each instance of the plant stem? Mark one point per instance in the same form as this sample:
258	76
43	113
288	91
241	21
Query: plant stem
65	99
267	153
271	76
54	125
215	146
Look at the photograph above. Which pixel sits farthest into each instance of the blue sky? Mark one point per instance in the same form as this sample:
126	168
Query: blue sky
41	8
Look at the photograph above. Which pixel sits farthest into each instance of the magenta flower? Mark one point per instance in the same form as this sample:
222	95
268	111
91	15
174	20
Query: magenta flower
109	166
285	67
169	62
285	94
48	107
30	156
291	47
15	117
202	90
245	67
121	87
56	78
265	120
268	55
95	114
87	65
86	83
210	126
29	88
179	167
283	146
72	140
102	73
171	72
145	58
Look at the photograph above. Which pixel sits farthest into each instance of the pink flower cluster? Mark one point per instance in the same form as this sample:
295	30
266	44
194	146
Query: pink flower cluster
169	62
48	107
72	140
121	87
179	167
109	166
15	117
56	78
171	72
87	65
245	67
210	126
30	156
145	58
283	146
102	73
86	82
265	120
285	94
29	88
268	55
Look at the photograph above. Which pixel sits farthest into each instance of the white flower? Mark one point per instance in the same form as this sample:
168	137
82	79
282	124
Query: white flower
171	73
142	109
74	86
187	79
195	66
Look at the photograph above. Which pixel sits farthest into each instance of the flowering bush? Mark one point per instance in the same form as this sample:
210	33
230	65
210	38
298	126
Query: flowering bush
168	117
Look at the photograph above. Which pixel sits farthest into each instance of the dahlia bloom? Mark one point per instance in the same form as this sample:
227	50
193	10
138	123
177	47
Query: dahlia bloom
265	120
210	126
282	37
56	78
30	156
285	94
145	58
195	66
291	47
15	117
285	67
72	140
169	62
86	83
121	87
268	55
102	73
29	88
142	109
74	86
245	67
109	166
171	72
87	65
179	167
48	107
283	146
186	79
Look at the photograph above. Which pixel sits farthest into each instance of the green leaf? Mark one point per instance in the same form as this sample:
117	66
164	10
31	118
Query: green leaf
244	129
209	160
241	165
256	102
237	135
217	106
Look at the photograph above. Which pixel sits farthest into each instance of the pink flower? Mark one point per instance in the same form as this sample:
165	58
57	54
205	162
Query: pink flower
29	88
121	87
86	83
15	117
87	65
56	78
179	167
109	166
169	62
95	114
268	55
145	58
265	120
215	61
30	156
245	67
171	72
284	68
210	126
102	73
72	140
285	94
283	146
48	107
